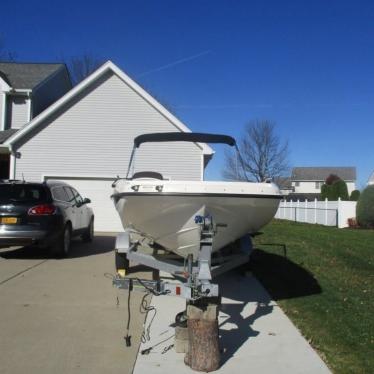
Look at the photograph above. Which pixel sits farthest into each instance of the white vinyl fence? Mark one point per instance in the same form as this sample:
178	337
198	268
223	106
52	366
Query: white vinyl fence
328	213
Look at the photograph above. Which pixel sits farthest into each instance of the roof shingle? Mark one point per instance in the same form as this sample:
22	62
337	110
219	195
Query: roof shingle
26	75
321	173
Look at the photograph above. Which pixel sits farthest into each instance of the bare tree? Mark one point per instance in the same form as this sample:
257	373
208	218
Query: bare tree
82	66
263	154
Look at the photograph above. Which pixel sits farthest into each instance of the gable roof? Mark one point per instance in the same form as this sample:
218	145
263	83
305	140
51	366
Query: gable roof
27	75
108	66
4	135
4	77
320	173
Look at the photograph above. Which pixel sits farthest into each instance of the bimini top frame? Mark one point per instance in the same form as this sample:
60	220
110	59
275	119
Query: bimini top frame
194	137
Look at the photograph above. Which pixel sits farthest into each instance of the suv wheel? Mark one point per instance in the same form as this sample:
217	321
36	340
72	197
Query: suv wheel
88	235
62	247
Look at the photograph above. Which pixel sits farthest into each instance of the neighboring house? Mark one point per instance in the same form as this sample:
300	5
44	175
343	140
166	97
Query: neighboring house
86	137
27	89
371	179
309	180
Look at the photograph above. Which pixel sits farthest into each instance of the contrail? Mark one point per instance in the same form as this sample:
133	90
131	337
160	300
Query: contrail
224	106
177	62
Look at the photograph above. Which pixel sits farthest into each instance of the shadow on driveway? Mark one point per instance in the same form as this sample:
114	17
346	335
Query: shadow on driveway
100	244
281	277
241	293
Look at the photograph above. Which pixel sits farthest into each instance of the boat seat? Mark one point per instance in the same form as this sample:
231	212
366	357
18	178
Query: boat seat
147	174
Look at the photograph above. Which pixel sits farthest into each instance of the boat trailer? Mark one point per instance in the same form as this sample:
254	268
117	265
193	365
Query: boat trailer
196	331
194	277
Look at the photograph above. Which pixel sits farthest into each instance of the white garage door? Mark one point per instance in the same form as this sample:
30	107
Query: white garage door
99	191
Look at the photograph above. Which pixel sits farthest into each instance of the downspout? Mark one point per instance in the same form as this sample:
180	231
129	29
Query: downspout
3	117
30	107
12	166
202	168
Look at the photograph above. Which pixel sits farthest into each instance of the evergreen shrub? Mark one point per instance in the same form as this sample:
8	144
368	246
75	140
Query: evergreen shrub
355	194
333	188
365	208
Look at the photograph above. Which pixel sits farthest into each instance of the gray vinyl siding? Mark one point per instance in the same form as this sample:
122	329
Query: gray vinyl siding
50	90
93	136
17	111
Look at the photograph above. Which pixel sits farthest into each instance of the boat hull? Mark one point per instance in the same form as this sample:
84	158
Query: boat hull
169	218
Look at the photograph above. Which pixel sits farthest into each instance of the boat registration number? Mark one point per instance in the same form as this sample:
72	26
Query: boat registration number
8	220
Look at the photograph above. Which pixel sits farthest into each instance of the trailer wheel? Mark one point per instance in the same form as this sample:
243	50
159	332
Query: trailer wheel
122	264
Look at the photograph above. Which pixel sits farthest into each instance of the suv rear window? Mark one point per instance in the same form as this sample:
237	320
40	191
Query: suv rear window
10	193
59	194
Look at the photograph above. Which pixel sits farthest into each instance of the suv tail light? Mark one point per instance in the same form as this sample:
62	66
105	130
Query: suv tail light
42	210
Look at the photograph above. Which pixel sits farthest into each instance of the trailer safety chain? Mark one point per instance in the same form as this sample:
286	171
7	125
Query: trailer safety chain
150	290
145	308
148	350
166	349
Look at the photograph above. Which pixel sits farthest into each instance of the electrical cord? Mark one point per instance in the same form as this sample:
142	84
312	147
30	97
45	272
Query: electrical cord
144	308
128	337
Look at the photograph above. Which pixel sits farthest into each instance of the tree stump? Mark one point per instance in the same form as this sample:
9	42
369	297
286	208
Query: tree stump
203	345
181	339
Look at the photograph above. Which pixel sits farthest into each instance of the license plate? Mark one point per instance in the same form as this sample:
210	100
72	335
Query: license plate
8	220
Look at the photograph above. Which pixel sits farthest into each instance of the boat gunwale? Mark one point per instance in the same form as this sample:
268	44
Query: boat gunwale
197	194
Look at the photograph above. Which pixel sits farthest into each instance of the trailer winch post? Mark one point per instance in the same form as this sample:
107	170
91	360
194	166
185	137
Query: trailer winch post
198	338
203	352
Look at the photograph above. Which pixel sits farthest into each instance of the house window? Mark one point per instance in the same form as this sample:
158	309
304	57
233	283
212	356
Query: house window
318	185
297	184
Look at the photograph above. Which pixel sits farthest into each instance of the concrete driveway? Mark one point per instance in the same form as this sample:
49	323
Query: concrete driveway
61	316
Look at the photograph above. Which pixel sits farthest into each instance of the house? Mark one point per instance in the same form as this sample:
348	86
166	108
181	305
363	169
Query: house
27	89
85	138
309	180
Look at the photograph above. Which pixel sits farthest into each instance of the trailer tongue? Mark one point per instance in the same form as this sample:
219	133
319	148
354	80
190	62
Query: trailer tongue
196	326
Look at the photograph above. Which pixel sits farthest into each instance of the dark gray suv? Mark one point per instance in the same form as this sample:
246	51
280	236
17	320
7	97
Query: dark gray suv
44	214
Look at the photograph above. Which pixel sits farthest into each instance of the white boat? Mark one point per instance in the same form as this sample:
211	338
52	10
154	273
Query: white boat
167	212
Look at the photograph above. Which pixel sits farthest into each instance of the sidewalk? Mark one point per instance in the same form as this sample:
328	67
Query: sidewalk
255	334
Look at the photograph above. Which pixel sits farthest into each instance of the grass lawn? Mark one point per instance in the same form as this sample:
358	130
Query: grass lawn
325	286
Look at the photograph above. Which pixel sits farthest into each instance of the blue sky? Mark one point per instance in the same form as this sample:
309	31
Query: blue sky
307	65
